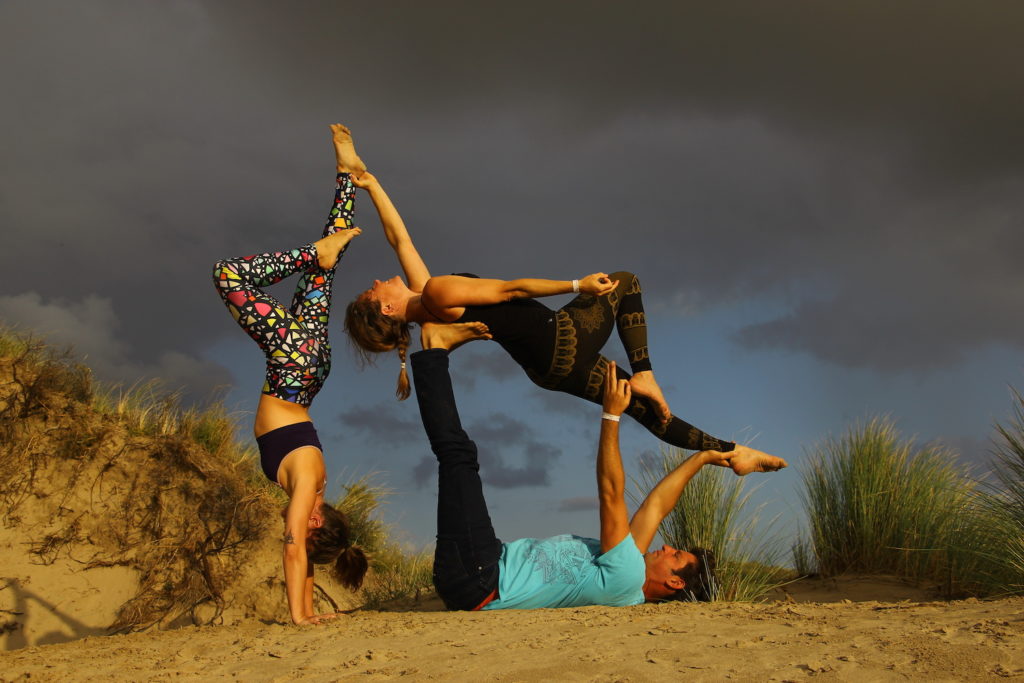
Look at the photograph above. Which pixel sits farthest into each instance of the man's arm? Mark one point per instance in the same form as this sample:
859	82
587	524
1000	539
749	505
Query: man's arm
611	479
664	496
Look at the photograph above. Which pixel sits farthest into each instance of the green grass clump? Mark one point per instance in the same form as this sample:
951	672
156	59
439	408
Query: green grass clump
395	573
399	575
1003	505
876	505
712	513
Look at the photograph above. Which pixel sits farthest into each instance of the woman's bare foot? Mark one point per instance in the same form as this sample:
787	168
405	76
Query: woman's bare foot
329	248
451	335
345	151
743	460
644	384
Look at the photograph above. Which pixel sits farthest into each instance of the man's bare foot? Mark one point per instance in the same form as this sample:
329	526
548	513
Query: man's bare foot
345	151
644	384
329	248
743	460
451	335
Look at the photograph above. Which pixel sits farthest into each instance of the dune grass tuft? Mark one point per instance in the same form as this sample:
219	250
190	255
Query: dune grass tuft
877	505
1003	505
713	513
395	573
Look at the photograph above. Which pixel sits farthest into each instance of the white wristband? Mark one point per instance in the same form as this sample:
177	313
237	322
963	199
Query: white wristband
609	416
575	286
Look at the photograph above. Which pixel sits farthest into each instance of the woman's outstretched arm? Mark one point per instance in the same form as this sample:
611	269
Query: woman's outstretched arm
446	292
416	272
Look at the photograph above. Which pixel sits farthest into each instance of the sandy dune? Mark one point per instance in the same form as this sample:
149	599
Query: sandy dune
781	640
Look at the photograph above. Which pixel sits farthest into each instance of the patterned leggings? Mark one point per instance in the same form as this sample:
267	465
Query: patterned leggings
578	368
293	339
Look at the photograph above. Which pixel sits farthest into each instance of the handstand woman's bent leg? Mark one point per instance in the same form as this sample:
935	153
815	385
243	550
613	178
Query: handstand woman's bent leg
311	304
293	353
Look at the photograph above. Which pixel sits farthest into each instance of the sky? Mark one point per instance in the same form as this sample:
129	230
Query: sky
823	202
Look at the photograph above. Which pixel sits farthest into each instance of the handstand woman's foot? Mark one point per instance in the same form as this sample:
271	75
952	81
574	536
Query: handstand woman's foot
451	335
644	384
345	151
743	460
329	248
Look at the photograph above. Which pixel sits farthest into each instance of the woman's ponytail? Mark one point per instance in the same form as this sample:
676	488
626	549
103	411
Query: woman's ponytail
402	391
350	567
330	544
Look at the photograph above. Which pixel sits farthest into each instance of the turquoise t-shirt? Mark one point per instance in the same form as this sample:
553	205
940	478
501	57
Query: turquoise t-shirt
568	571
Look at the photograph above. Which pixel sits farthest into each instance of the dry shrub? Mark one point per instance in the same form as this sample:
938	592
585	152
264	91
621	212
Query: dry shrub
135	482
108	477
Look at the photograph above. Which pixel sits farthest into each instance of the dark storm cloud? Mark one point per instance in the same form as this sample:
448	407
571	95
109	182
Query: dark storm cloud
501	439
927	286
783	138
869	153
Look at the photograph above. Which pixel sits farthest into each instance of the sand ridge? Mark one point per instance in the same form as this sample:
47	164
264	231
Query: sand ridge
960	640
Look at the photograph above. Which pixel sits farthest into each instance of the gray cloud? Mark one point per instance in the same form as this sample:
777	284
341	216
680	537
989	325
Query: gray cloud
91	329
383	423
497	436
488	360
578	504
976	454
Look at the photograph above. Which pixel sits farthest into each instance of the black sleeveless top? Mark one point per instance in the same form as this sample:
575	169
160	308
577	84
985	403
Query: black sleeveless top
525	328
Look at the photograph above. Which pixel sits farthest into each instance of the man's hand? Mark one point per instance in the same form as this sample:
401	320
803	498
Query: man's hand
716	458
598	284
616	392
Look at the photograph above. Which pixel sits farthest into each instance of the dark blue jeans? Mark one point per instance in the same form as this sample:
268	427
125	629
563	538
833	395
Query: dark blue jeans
467	554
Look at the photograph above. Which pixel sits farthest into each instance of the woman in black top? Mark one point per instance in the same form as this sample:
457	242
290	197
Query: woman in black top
559	350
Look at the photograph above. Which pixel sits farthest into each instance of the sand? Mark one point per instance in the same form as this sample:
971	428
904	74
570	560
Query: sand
780	640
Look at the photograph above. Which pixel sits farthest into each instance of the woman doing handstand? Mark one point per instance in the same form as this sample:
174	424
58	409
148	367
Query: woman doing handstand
298	353
559	350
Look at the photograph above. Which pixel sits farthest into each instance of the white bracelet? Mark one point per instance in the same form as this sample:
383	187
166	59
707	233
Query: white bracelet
575	286
609	416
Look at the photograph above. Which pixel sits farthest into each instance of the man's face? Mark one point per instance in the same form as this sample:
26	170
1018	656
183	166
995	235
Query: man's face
663	564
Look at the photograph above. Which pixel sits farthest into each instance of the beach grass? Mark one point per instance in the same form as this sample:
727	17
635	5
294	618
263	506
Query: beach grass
1002	505
878	504
396	573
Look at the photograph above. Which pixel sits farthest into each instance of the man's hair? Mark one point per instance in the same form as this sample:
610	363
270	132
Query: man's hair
700	578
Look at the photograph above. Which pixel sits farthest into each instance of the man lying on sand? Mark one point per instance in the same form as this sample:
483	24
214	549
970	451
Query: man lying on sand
474	570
